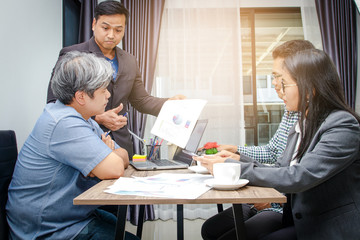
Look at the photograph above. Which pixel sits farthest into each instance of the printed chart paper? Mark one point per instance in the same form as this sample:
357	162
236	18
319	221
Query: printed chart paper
177	119
169	185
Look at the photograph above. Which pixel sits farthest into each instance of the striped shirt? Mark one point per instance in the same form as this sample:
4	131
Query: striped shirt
269	153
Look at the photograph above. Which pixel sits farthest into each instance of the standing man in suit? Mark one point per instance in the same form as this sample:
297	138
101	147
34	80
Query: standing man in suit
127	86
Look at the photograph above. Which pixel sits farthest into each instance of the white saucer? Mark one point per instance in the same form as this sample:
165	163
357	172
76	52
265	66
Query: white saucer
198	169
240	183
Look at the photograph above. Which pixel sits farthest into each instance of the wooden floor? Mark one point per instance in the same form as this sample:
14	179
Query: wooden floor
166	230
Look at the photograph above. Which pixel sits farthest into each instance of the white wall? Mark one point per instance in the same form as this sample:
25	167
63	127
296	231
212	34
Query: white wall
30	41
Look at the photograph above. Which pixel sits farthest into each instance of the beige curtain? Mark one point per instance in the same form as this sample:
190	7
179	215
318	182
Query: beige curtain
311	23
141	39
200	56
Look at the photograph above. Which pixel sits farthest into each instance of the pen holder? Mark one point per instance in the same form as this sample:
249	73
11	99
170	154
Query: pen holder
153	152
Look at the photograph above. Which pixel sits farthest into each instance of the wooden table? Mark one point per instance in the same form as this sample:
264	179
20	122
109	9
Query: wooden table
247	194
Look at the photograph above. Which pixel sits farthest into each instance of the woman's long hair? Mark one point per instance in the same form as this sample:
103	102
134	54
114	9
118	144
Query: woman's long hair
320	91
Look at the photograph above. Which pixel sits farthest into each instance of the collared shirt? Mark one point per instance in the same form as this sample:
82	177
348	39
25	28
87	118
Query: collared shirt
268	154
115	66
297	130
51	170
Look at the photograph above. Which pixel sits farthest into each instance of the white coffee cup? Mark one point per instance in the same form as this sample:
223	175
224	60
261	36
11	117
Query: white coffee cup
226	173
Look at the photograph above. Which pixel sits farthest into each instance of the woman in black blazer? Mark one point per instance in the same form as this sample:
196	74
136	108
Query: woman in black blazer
319	170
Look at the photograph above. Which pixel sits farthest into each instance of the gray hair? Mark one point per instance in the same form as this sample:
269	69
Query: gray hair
79	71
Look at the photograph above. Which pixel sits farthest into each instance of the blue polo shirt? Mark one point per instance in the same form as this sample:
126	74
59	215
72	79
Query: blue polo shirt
51	171
115	66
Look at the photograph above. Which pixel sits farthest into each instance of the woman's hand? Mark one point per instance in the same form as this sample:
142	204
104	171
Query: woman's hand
209	160
230	148
227	154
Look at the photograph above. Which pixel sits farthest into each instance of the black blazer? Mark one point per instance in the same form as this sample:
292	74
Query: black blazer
325	185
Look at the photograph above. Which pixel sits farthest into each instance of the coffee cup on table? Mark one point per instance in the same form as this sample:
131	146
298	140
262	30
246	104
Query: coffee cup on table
226	173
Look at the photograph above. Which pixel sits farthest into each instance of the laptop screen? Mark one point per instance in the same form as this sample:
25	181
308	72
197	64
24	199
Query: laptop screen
192	144
196	135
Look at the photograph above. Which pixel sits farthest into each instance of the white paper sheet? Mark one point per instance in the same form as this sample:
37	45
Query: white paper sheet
177	119
169	185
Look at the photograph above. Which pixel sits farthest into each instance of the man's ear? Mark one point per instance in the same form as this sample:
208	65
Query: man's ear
93	24
80	97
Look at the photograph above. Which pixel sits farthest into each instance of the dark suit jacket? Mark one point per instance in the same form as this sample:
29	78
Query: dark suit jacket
128	87
325	185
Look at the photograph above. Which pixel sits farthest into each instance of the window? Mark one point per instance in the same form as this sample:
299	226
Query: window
215	53
263	29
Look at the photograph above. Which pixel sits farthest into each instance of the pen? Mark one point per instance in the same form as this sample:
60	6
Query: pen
107	133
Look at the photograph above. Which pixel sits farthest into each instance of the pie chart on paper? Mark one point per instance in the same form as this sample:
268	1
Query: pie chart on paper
177	119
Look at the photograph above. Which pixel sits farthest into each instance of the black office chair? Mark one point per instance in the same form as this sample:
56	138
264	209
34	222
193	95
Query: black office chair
8	156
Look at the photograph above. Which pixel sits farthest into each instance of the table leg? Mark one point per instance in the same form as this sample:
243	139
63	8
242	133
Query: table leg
140	221
180	222
220	207
239	222
120	223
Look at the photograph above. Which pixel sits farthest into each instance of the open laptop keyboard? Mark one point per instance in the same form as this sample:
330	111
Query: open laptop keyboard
163	163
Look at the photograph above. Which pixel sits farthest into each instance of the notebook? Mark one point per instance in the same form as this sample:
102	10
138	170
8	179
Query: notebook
182	158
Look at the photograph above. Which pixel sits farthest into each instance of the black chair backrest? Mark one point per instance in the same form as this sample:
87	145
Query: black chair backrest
8	156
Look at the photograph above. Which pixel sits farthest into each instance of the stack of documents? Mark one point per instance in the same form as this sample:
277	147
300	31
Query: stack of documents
168	185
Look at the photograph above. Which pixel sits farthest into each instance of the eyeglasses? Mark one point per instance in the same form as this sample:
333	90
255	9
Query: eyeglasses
275	76
283	86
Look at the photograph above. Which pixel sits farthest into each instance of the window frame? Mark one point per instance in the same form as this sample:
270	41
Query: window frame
251	12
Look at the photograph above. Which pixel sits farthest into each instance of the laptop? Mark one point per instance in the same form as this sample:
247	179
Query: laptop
182	157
